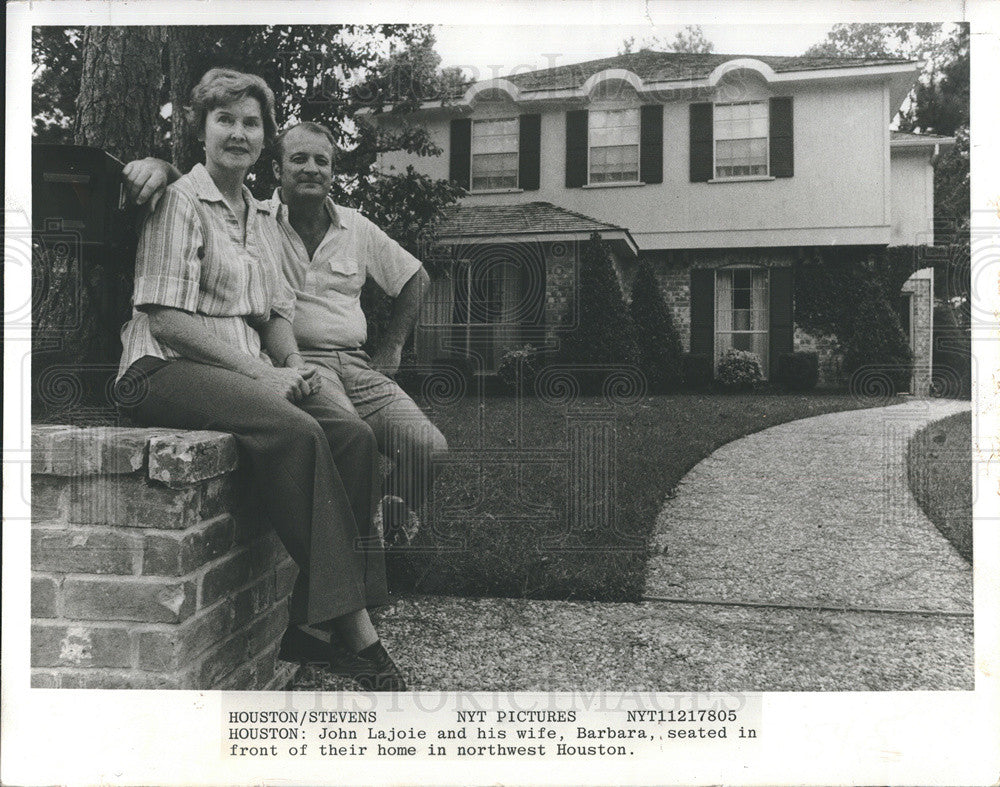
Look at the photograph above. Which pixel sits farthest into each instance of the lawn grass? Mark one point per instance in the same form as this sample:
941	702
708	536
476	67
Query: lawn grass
939	465
504	528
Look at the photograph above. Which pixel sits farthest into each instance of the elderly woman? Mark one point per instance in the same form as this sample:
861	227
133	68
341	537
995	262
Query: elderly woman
209	300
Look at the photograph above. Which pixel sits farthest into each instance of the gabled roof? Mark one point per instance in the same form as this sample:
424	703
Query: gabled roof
670	66
494	222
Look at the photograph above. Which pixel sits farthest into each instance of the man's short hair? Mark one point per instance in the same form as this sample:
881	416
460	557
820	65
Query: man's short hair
306	125
220	87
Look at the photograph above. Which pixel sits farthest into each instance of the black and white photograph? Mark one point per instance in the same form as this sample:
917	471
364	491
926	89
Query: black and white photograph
571	395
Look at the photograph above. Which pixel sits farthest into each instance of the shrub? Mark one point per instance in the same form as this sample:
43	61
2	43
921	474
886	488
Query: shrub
658	344
875	341
848	293
697	370
519	366
798	371
740	369
602	334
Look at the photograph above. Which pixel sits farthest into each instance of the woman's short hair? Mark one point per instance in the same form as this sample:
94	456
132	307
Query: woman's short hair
220	87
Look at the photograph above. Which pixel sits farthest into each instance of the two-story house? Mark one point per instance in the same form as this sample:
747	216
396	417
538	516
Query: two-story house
720	170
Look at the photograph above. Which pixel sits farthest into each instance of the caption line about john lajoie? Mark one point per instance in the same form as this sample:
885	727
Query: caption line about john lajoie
481	733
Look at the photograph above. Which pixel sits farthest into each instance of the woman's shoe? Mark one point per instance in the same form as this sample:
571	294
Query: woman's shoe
372	669
303	648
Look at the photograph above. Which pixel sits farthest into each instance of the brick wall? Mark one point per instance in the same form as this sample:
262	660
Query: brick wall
675	284
146	571
561	261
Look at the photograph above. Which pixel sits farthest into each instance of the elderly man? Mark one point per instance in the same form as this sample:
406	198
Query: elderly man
328	252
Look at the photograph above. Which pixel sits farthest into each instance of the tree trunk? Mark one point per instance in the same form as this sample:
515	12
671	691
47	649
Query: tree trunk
187	46
119	90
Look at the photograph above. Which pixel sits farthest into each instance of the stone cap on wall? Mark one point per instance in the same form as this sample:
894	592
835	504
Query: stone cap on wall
173	457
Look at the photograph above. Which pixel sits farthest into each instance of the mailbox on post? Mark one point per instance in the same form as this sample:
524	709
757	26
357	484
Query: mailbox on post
83	252
78	189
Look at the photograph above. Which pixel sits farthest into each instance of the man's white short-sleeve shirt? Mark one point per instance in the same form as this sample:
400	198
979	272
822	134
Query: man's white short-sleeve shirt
328	313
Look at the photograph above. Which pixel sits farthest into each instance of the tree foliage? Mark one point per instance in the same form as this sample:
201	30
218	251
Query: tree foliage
850	293
660	354
331	74
690	39
886	40
56	69
875	339
599	331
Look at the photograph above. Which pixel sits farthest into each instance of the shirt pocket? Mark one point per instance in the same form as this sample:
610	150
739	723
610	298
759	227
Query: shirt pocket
344	265
342	274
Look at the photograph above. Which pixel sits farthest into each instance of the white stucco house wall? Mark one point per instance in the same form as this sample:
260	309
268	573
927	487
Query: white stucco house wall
722	171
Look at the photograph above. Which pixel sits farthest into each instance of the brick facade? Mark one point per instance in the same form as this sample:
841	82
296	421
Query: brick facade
920	287
145	570
561	260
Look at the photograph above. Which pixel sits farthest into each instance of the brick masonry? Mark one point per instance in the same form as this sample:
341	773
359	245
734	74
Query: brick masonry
146	573
920	287
561	261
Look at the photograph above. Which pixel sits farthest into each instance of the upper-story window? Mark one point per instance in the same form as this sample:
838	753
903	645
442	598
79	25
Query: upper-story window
494	154
741	143
614	146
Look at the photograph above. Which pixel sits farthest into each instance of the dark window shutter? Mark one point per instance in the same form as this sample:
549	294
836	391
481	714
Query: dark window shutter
529	148
782	327
576	148
701	133
702	311
651	143
782	159
460	154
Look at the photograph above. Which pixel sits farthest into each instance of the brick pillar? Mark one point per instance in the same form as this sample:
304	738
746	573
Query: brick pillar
921	287
145	571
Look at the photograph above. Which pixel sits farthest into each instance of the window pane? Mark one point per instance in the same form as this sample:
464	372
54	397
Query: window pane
492	163
620	163
741	312
614	145
494	170
494	154
741	139
494	134
495	144
615	135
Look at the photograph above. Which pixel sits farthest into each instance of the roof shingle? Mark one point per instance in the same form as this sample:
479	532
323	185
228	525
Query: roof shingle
528	218
669	66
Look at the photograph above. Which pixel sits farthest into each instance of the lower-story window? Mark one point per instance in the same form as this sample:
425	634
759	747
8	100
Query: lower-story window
741	312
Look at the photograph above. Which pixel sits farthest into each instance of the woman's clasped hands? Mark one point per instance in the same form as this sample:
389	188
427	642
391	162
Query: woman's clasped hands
293	382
